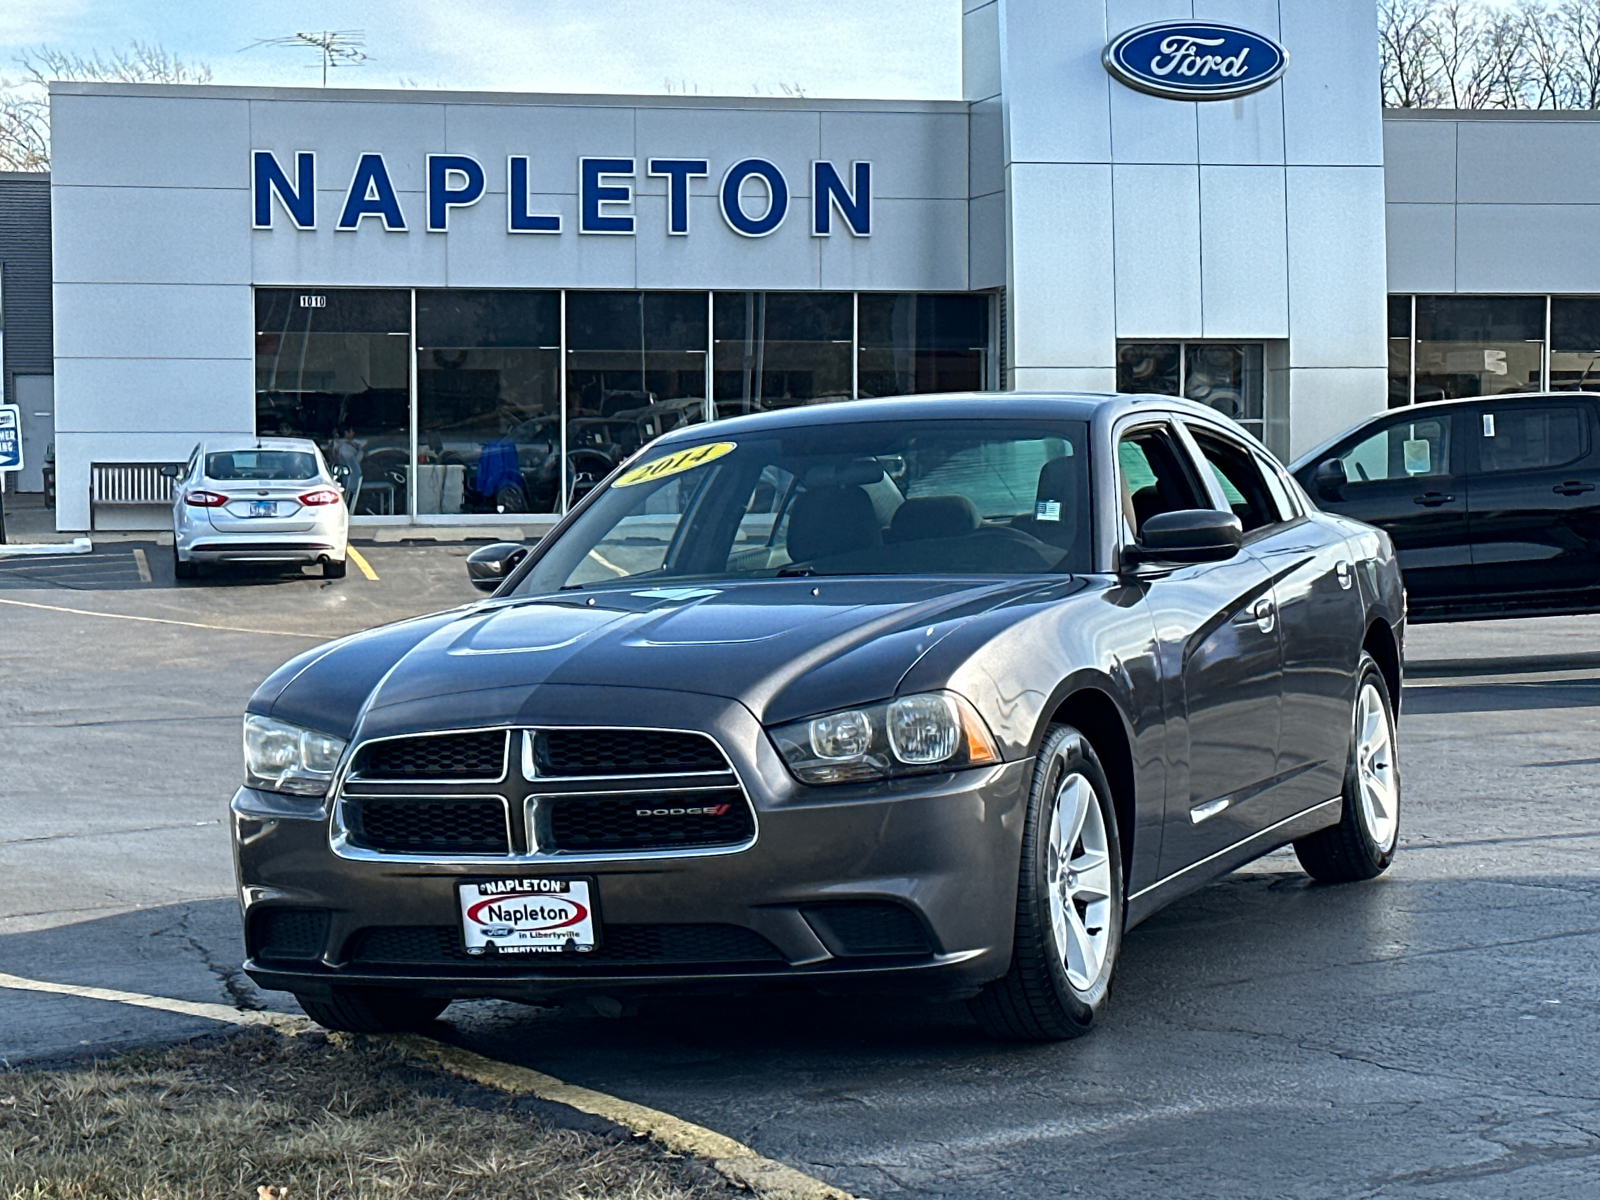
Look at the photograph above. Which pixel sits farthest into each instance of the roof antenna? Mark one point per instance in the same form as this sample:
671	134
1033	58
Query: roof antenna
338	47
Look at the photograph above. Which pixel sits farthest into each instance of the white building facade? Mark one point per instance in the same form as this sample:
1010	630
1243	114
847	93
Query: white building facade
484	301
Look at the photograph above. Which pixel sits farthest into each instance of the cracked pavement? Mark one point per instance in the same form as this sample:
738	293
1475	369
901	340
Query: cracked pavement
1434	1033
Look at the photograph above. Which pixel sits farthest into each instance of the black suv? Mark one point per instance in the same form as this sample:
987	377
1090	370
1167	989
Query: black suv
1491	502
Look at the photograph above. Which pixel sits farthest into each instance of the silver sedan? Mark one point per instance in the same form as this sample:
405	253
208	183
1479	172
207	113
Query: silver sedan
257	500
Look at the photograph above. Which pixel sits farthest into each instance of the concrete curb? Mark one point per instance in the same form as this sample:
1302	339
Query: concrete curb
80	545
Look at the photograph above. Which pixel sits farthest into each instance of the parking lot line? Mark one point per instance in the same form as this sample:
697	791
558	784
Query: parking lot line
734	1160
361	563
185	1008
86	612
143	564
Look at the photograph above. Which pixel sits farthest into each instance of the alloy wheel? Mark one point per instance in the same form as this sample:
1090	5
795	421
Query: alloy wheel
1079	881
1376	774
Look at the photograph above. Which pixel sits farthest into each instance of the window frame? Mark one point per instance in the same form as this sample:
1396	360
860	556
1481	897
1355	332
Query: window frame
1195	430
1389	420
1166	423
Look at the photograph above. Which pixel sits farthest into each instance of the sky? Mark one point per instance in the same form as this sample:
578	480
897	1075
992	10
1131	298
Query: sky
894	49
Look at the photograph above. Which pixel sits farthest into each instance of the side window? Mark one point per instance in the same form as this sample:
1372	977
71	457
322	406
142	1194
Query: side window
1515	438
1243	483
1400	450
1282	494
1154	479
188	470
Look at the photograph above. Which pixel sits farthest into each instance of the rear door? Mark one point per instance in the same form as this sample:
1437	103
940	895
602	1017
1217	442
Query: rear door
1407	476
1535	497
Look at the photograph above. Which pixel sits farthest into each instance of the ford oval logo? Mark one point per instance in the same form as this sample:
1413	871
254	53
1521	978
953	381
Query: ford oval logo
1195	60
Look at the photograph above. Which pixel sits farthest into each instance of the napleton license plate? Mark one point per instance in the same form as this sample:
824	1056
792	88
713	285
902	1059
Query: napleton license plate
263	508
526	916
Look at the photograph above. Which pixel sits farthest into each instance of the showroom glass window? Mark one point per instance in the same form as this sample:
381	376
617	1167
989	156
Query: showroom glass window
1574	344
331	365
636	368
780	349
1478	346
922	343
488	402
1399	351
1228	376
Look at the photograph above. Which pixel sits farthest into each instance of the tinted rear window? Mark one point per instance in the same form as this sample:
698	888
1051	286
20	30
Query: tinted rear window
262	464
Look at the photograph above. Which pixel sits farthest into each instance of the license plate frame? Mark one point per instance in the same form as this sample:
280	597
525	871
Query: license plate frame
528	916
263	508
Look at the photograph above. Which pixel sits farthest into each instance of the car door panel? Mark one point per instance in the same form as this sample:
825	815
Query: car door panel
1534	510
1406	475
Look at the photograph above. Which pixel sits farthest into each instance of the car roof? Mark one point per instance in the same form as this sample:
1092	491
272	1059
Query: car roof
1429	406
946	406
224	446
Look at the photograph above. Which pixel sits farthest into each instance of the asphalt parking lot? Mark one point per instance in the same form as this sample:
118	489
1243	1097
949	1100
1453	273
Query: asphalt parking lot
1433	1033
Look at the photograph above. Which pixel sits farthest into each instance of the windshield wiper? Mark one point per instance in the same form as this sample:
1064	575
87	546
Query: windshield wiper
795	572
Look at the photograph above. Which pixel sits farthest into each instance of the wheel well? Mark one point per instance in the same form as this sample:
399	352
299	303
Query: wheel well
1096	716
1380	643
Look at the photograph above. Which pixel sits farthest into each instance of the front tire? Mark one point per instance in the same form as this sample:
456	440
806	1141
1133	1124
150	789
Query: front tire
371	1010
1069	901
1362	844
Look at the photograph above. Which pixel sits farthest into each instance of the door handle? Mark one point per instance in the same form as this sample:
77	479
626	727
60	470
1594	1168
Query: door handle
1433	499
1345	574
1572	487
1265	614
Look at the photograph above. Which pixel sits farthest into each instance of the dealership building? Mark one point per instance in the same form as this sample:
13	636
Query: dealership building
481	302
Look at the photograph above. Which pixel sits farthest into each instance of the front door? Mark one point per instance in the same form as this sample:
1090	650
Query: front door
1535	504
1407	477
1220	661
36	402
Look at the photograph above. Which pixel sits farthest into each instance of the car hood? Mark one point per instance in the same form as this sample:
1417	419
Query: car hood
782	648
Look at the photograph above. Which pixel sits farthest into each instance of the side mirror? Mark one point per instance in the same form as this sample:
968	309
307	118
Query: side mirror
1330	479
1190	535
488	566
170	470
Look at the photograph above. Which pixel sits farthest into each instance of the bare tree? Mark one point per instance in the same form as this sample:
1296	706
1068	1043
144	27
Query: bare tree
1579	22
1409	70
1547	54
25	103
1455	35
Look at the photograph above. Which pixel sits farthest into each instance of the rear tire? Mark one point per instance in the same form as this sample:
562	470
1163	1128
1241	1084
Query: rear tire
1069	902
1362	844
371	1010
184	570
333	570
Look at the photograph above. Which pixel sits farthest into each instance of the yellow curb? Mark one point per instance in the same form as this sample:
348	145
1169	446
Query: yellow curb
187	1008
362	565
733	1160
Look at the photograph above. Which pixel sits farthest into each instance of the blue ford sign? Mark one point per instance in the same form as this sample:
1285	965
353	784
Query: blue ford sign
1195	60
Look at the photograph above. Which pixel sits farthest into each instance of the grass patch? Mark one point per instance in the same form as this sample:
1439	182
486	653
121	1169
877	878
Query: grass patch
339	1119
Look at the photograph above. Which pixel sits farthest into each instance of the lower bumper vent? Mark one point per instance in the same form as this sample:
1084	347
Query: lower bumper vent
870	929
288	934
416	945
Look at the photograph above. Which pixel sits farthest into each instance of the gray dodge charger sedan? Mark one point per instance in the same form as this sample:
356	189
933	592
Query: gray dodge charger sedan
935	695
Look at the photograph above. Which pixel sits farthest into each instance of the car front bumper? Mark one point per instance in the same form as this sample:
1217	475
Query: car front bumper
941	851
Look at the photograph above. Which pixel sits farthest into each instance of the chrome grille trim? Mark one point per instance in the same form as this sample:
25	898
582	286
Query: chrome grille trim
530	854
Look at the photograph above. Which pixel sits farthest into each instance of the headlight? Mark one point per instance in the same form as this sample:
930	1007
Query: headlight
279	757
935	731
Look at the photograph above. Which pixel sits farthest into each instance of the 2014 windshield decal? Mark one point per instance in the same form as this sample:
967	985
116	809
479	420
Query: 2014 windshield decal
1195	60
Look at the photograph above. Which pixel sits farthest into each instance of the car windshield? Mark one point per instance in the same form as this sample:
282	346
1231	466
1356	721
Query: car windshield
952	497
262	464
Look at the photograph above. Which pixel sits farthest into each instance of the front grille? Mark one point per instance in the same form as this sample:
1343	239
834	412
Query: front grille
450	756
288	933
412	945
868	928
664	820
428	826
589	752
